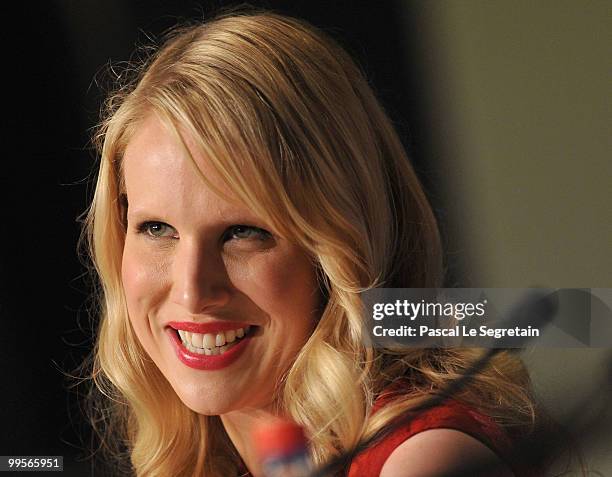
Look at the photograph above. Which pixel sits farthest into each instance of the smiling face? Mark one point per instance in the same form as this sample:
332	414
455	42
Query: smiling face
194	261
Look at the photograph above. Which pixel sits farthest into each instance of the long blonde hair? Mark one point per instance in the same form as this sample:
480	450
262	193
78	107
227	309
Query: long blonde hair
291	125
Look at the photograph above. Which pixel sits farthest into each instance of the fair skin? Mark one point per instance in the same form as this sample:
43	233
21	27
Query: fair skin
443	453
186	259
191	256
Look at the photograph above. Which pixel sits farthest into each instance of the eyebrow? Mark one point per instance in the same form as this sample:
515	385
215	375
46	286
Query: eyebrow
134	213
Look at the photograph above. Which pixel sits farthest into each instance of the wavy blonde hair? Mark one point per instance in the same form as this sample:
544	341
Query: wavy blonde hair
291	125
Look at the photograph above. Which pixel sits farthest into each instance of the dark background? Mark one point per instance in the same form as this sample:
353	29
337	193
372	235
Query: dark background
55	68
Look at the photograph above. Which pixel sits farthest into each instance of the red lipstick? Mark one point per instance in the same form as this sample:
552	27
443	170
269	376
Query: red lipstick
203	361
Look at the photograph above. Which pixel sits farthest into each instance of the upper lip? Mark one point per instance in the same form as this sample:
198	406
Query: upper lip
210	327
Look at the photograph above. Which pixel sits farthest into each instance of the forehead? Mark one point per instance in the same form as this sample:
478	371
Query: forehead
153	152
159	174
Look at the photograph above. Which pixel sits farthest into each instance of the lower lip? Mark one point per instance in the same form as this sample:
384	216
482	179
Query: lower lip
202	361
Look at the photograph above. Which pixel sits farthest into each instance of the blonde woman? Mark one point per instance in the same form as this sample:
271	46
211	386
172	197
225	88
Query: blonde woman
250	187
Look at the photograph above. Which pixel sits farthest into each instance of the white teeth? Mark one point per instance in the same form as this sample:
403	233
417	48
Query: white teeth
209	340
196	340
211	344
220	339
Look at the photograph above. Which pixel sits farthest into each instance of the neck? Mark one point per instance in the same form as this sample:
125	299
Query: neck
239	425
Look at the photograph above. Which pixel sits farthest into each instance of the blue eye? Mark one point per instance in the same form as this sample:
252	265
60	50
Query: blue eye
247	232
153	229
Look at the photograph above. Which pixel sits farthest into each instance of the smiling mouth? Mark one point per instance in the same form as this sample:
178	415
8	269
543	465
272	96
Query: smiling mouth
212	344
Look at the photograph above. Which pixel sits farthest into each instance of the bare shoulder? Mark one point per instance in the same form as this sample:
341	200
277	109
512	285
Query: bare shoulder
443	452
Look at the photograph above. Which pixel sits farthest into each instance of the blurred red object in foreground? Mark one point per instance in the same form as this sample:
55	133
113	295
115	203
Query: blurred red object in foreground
282	448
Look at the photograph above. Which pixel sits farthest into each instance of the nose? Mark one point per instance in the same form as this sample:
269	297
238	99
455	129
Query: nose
200	281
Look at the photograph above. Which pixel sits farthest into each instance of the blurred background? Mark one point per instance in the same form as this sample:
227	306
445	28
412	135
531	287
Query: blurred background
504	106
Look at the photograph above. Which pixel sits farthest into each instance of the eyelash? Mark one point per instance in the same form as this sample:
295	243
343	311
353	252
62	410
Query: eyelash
143	228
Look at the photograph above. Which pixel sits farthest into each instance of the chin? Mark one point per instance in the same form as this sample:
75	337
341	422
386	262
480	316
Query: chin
207	401
205	409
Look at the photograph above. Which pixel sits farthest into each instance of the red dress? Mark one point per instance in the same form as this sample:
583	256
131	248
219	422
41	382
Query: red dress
449	415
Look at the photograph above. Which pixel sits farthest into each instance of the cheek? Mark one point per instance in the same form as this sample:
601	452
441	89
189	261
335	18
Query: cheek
132	279
138	285
284	286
